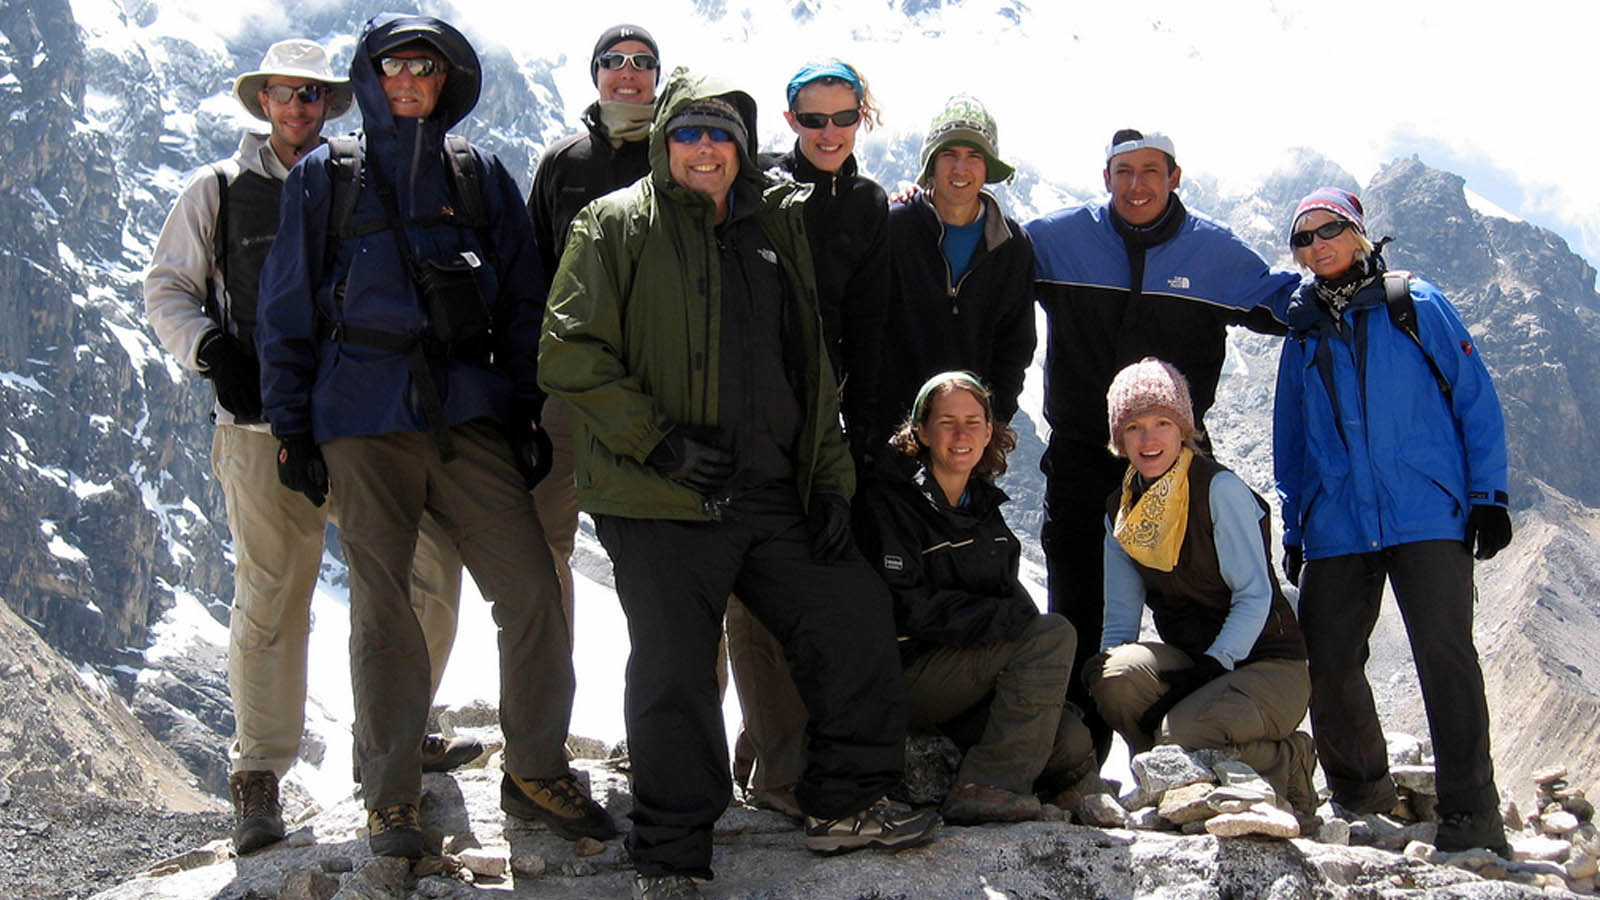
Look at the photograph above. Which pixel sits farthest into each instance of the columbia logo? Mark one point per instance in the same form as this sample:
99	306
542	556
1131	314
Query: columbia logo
893	563
769	255
1178	282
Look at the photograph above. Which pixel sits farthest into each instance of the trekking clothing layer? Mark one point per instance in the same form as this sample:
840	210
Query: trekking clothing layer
574	171
981	322
1368	453
847	222
330	388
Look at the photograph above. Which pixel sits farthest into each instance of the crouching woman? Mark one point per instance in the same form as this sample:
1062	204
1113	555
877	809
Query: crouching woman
982	664
1187	538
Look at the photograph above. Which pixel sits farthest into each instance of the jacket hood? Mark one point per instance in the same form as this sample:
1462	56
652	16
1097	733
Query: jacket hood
388	31
683	88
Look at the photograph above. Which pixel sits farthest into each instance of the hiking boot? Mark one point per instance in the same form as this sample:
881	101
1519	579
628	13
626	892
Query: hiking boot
395	831
1301	791
557	802
258	819
1465	830
442	754
879	825
974	804
778	800
1379	797
665	887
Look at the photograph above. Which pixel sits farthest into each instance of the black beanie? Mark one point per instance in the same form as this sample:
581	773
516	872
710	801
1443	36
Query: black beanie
615	35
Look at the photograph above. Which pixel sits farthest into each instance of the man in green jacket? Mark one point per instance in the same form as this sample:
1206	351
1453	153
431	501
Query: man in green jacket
682	327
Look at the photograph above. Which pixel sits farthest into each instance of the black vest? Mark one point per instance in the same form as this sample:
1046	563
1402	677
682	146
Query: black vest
1191	602
247	222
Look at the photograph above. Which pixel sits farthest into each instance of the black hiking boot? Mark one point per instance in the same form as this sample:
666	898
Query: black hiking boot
258	819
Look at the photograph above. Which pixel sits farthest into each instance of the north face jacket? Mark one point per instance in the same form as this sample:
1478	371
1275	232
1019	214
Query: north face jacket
1195	283
1368	452
633	329
331	388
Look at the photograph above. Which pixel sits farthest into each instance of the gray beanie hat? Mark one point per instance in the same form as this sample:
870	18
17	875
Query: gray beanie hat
294	58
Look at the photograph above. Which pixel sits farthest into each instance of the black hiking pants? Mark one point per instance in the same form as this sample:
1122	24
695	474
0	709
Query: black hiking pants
1339	602
836	624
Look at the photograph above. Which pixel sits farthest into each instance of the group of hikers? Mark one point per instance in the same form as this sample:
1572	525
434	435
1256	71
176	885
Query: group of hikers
784	401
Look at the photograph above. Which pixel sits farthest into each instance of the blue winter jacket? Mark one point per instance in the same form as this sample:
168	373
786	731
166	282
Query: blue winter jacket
333	389
1367	450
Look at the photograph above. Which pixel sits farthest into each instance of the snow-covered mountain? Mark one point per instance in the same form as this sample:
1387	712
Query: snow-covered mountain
114	522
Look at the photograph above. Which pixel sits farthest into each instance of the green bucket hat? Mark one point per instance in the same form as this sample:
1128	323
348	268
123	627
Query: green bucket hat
965	121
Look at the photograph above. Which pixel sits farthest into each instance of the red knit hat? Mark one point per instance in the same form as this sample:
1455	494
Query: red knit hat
1146	386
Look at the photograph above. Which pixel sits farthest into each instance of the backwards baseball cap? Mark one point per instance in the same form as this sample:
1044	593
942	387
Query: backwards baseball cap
615	35
294	58
964	121
1133	140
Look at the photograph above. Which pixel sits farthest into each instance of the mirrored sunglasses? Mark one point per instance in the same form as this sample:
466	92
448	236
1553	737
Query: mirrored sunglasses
308	93
1327	231
419	66
689	134
644	62
844	118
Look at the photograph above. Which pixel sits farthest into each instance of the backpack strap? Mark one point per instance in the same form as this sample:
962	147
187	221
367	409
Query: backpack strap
344	152
467	177
1403	313
219	246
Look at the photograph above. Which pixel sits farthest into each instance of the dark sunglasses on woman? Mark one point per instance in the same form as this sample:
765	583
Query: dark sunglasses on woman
844	118
1327	231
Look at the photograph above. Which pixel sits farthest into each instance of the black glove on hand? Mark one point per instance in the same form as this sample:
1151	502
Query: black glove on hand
1488	530
233	372
1292	561
531	450
689	456
300	467
1180	684
828	523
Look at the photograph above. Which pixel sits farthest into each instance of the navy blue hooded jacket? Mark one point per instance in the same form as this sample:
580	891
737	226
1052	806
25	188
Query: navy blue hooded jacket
313	384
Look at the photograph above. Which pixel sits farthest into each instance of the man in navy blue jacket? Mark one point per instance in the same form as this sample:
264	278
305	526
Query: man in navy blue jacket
398	366
1137	275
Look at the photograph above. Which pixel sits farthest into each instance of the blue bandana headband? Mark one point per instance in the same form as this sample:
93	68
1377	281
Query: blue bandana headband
817	70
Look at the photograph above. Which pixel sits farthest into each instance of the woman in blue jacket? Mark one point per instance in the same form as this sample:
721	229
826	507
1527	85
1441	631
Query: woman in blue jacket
1390	459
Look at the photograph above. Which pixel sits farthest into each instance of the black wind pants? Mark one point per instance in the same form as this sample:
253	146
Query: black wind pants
1079	479
1339	601
836	624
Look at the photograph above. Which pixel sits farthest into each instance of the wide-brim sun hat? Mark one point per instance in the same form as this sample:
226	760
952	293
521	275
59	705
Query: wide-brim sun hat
294	58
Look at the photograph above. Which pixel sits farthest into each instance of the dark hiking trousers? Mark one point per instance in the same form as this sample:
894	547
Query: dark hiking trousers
1339	601
1079	477
835	623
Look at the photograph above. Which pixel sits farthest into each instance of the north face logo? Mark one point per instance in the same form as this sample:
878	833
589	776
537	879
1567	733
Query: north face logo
1178	282
893	563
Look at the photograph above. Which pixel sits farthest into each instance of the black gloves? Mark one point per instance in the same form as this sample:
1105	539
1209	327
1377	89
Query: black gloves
1180	684
689	455
300	467
1292	560
233	372
828	523
531	450
1488	530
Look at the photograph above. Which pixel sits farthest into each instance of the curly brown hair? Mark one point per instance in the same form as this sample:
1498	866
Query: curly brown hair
1004	440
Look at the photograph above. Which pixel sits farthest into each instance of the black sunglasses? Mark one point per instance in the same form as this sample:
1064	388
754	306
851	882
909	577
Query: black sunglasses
644	62
419	66
308	93
1327	231
844	118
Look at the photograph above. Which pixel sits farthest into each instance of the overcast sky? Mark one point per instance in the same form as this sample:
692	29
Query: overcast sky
1507	99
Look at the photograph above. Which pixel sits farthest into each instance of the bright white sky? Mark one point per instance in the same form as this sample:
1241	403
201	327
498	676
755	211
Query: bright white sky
1498	97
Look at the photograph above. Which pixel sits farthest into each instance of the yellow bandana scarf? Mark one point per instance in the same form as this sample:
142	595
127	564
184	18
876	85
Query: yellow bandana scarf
1152	530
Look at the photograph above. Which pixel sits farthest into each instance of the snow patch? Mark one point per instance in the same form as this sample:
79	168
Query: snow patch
59	546
185	624
1486	207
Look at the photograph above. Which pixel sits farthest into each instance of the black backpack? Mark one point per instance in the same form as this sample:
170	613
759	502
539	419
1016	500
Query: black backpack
1403	313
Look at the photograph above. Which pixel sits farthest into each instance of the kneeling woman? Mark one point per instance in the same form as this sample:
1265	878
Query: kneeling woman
981	662
1189	539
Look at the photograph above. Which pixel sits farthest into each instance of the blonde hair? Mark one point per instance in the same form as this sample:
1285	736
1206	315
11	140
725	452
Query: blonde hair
871	117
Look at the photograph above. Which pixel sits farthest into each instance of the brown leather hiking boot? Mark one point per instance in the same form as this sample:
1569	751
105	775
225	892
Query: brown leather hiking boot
880	825
557	802
258	819
395	831
974	804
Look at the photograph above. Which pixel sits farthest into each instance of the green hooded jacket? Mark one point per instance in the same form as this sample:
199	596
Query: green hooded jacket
633	323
